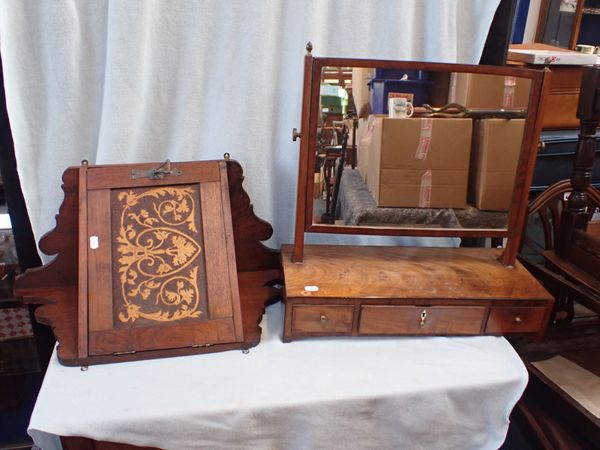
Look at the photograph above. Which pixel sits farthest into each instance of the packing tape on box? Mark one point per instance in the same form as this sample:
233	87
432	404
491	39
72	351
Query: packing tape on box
508	99
424	138
367	139
452	89
425	190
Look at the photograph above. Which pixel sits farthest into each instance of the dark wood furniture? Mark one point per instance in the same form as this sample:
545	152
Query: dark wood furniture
568	264
333	167
364	291
122	238
577	251
574	27
81	443
549	16
571	253
538	254
550	418
560	109
349	290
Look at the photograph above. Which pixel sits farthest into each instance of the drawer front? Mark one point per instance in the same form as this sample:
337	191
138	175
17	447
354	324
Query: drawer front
515	320
415	320
322	318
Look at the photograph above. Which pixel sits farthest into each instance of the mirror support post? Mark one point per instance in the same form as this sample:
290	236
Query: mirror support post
518	221
298	252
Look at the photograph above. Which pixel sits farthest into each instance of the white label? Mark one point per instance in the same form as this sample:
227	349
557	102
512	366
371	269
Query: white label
94	242
311	288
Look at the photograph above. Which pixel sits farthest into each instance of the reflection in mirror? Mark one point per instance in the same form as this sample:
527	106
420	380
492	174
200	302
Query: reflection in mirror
418	149
558	22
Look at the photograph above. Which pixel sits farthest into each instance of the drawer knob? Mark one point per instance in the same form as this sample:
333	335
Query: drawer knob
518	320
323	318
423	318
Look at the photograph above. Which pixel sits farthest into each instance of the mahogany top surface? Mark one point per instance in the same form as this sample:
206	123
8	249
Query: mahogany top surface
406	272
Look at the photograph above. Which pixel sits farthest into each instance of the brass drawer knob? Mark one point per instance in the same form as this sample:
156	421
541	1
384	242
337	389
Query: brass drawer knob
423	318
323	318
518	320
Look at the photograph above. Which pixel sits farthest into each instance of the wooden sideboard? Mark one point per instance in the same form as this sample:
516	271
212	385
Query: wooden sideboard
561	105
368	291
560	110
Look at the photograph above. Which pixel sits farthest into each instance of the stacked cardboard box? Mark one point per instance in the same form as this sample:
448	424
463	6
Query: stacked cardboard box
364	139
495	155
418	162
475	90
360	89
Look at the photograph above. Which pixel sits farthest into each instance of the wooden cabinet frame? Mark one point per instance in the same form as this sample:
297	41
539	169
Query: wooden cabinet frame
243	266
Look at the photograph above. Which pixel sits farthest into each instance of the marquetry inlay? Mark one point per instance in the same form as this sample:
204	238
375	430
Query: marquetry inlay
158	262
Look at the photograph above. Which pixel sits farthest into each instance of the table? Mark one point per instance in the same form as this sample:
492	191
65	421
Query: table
438	392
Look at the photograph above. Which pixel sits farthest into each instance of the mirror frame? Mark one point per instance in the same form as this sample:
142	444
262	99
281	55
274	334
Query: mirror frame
540	80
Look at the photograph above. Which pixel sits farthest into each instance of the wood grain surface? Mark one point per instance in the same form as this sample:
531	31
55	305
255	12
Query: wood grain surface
55	286
515	319
413	320
406	272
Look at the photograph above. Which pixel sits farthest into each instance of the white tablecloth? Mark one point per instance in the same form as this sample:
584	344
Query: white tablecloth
328	393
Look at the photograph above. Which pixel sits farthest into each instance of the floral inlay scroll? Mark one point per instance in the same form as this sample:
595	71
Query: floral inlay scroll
158	258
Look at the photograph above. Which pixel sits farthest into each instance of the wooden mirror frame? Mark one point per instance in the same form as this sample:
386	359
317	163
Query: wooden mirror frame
540	80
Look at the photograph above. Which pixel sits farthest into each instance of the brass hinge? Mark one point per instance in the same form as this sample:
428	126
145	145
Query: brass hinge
124	353
200	345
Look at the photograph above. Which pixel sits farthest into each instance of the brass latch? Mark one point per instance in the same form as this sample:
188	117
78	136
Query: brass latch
156	174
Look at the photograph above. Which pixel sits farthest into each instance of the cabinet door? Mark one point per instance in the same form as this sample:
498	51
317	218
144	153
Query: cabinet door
160	259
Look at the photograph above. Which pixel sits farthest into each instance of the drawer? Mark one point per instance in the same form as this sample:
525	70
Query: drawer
414	320
322	318
515	320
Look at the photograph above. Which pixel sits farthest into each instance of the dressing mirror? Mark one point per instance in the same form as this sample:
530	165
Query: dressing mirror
416	149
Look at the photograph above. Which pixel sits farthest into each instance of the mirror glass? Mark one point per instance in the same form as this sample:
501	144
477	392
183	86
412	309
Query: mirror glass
417	149
558	22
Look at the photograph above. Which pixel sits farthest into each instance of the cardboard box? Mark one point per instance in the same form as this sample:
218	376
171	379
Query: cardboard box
364	140
475	90
360	89
494	158
419	162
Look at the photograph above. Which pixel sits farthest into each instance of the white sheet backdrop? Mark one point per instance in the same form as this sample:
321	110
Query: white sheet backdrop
132	81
